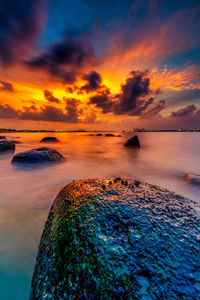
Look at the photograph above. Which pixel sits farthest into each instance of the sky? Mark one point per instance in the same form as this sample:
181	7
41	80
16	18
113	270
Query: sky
99	64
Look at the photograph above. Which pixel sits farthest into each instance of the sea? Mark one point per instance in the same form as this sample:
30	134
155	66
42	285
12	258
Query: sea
26	194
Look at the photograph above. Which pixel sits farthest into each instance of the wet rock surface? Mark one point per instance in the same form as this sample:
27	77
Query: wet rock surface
133	142
39	155
6	145
118	239
49	139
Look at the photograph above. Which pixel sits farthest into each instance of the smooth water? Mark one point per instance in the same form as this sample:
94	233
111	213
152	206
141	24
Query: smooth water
26	195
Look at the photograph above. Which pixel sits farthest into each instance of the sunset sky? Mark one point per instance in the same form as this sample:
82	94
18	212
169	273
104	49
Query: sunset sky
99	64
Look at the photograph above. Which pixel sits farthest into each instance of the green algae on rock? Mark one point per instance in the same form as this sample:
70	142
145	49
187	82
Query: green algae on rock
118	239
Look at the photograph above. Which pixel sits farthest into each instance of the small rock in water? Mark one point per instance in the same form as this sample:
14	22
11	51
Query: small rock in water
133	142
7	145
109	134
49	139
193	178
2	137
39	155
99	134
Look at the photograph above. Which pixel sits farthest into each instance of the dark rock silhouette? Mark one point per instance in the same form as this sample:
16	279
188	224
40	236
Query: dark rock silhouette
99	134
193	178
39	155
109	134
7	145
119	238
118	135
2	137
16	142
49	139
133	142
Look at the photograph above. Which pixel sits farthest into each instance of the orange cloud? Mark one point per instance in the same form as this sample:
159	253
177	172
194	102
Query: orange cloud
175	79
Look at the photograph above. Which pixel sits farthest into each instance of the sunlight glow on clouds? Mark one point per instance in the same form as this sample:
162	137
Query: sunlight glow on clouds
130	66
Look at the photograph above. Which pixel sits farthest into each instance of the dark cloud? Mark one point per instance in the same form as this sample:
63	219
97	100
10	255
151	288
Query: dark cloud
103	102
69	90
49	97
20	23
91	118
46	113
185	111
72	109
64	60
154	111
7	112
134	99
186	117
6	86
93	82
133	94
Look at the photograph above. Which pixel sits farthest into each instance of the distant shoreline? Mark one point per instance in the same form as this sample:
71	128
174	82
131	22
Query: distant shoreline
94	131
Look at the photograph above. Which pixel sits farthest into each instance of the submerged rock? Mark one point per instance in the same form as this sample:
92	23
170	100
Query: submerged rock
133	142
109	134
99	134
107	240
16	142
193	178
7	145
38	155
49	139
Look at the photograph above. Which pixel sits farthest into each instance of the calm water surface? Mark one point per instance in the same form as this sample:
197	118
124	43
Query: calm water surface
26	195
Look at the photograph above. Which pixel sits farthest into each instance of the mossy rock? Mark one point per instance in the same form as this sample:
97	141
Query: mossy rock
118	239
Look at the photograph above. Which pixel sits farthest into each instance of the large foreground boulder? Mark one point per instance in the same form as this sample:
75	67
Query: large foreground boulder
49	139
133	142
6	145
118	239
39	155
